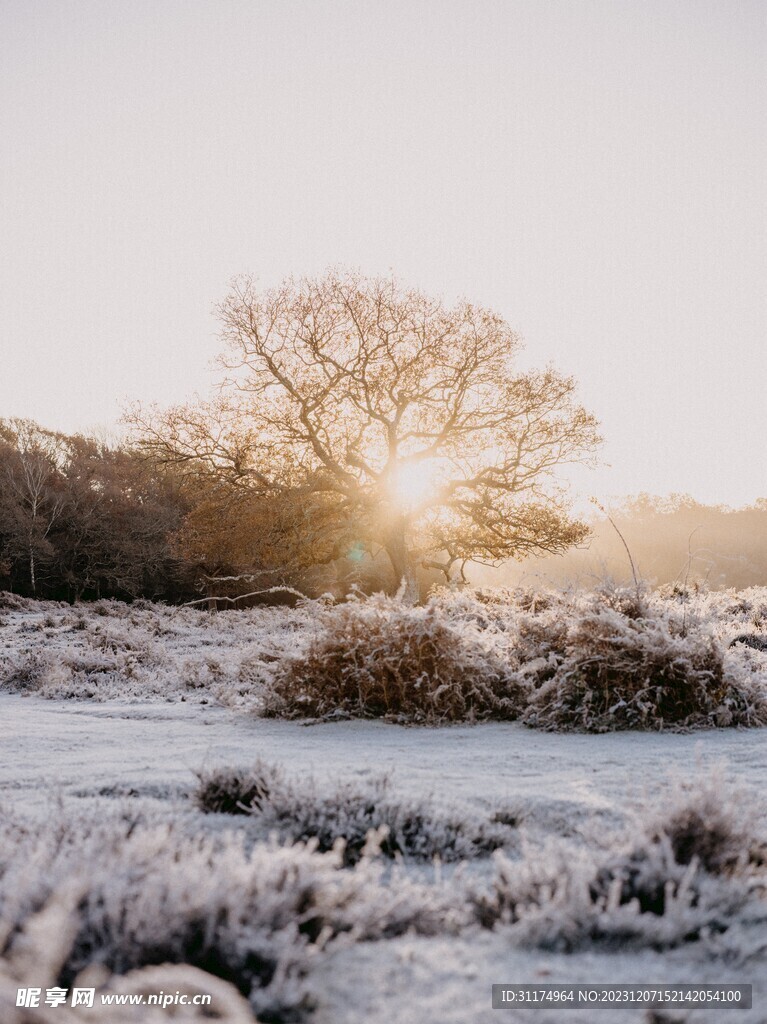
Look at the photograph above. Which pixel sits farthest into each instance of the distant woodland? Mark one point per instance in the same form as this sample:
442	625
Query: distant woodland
81	518
674	540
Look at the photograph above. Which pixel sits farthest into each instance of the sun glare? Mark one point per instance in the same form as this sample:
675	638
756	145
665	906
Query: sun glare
414	482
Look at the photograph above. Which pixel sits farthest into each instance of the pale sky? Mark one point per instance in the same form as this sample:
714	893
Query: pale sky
594	170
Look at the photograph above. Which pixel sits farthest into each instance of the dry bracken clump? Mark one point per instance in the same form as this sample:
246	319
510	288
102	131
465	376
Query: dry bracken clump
622	671
380	658
237	790
707	819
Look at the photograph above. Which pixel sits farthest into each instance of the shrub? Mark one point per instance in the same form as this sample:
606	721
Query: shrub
348	817
704	832
709	821
22	672
620	671
380	658
237	790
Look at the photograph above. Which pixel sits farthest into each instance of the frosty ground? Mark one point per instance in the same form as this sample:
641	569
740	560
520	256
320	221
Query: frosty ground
174	693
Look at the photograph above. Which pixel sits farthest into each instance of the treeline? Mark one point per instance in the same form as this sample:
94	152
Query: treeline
83	519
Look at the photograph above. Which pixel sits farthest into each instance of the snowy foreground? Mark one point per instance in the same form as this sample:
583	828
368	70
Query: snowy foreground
621	857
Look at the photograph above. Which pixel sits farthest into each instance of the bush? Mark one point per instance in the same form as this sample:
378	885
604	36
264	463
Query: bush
706	831
380	658
237	790
624	671
13	603
349	818
711	822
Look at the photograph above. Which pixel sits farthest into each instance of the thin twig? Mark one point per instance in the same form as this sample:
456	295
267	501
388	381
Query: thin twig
612	523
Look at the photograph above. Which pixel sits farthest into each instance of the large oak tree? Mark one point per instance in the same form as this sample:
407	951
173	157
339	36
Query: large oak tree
387	421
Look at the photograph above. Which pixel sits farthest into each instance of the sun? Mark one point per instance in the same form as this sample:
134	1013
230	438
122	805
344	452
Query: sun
414	482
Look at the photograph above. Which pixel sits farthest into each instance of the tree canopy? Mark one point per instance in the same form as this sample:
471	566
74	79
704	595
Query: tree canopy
379	419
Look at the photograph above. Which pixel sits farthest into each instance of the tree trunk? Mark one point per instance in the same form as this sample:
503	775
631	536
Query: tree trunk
402	563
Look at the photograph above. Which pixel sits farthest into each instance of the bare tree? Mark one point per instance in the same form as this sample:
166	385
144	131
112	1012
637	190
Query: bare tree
401	422
33	501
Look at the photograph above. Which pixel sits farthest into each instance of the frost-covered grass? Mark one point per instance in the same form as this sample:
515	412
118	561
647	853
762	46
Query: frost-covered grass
109	650
113	899
309	893
343	816
134	893
686	873
614	658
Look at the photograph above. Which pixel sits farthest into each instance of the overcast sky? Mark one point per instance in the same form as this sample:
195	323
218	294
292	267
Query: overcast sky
594	171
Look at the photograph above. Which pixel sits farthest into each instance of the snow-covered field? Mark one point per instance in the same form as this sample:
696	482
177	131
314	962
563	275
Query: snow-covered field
629	856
